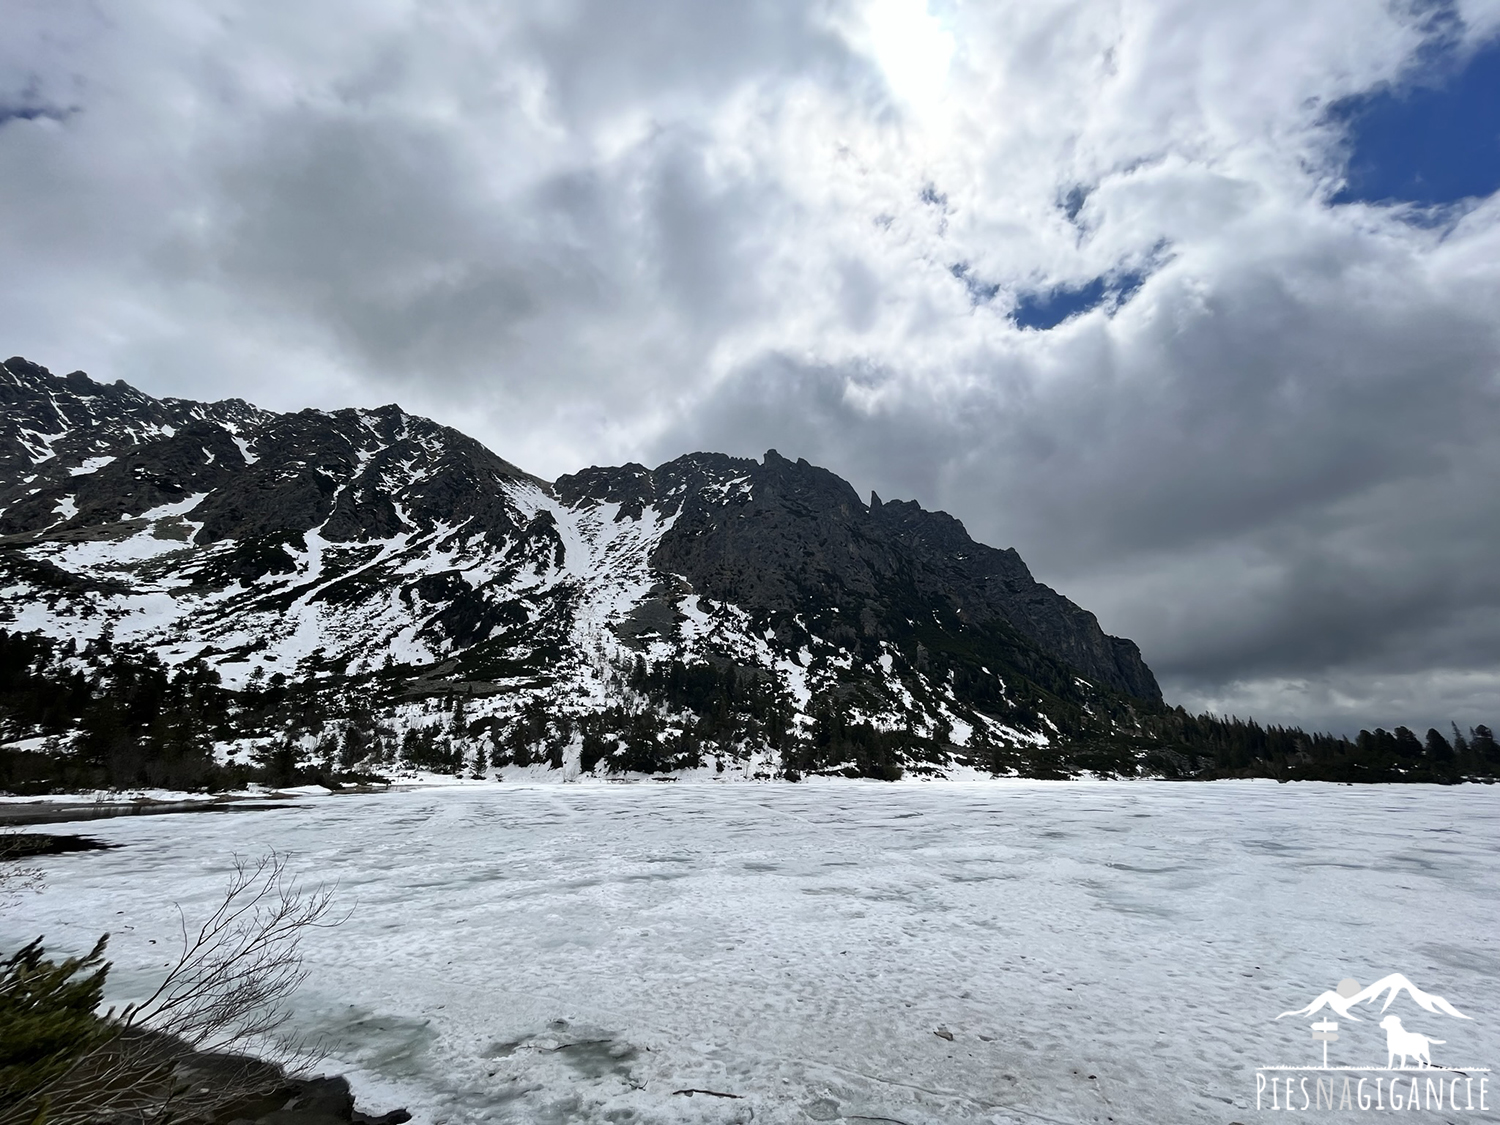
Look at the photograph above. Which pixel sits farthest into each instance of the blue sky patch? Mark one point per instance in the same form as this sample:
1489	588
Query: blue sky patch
1047	308
1433	141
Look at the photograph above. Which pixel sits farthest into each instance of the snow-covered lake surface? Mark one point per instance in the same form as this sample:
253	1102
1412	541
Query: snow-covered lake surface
1098	952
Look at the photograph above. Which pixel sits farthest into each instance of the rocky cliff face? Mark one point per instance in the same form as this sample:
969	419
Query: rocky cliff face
780	536
711	608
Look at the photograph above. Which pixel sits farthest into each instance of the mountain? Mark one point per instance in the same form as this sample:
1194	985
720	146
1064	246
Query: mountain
367	588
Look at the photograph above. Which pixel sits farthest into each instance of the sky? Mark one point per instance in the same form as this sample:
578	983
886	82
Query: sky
1194	304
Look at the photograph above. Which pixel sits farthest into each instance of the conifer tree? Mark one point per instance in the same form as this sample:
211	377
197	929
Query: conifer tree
47	1020
1482	744
1460	744
1438	748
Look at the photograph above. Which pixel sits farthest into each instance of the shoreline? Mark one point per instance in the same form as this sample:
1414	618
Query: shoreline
19	815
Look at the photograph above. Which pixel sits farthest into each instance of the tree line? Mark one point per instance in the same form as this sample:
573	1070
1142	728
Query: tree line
96	715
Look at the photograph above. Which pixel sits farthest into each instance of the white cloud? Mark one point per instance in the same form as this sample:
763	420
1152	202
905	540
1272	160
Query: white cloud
594	231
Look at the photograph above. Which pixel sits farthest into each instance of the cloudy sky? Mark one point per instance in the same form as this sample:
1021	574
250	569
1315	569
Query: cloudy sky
1196	304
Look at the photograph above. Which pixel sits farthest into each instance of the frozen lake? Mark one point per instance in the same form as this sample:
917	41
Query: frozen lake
1098	952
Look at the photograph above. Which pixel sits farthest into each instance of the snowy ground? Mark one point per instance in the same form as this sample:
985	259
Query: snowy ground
1099	952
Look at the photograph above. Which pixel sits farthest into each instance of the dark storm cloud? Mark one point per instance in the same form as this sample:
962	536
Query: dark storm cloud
415	264
600	231
1306	485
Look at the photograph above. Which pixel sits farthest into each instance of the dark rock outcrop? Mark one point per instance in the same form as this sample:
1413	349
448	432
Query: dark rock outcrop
783	536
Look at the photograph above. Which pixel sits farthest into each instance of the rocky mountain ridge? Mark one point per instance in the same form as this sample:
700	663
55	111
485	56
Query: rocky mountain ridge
386	573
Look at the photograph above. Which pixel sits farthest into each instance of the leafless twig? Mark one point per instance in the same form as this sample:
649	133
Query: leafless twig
209	1038
229	986
15	880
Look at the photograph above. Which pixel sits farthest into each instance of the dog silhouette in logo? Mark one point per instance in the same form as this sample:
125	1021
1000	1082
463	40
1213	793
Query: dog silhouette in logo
1399	1041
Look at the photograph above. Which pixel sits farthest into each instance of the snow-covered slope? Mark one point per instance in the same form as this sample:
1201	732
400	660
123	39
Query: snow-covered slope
713	609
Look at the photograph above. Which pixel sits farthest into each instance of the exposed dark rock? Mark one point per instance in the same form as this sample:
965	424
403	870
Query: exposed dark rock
272	1098
26	845
631	486
796	538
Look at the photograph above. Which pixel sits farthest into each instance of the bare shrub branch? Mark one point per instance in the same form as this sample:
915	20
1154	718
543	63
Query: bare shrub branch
16	880
185	1053
229	986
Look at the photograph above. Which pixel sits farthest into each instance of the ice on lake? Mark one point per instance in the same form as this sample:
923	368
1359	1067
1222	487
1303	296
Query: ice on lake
581	953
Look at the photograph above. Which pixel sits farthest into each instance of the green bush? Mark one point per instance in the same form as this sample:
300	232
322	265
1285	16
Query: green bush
47	1023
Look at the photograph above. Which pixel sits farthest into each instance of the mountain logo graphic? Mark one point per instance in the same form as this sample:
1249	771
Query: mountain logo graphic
1416	1072
1348	993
